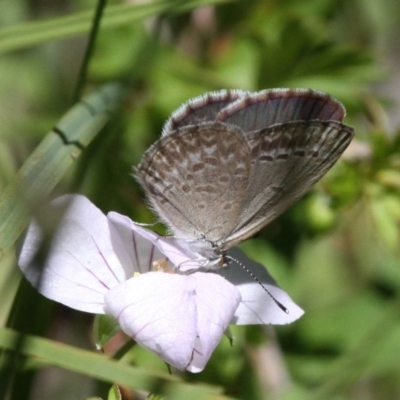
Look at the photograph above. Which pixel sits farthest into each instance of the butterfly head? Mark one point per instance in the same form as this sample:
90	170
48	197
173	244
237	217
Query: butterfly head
207	252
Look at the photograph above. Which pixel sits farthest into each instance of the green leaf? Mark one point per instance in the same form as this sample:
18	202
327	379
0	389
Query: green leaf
29	34
104	328
108	370
114	393
228	333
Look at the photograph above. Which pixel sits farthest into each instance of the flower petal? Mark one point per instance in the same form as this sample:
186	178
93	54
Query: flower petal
158	310
168	248
133	247
80	265
216	301
179	317
257	307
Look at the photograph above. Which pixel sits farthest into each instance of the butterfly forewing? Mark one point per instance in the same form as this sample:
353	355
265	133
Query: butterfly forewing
287	160
194	178
262	109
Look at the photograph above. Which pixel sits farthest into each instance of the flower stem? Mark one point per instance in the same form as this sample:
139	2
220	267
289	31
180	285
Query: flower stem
124	349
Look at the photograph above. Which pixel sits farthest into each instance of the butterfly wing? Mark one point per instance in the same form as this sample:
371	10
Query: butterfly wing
259	110
287	160
196	177
223	181
201	109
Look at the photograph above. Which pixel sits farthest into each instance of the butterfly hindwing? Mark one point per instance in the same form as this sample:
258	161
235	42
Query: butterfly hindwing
194	179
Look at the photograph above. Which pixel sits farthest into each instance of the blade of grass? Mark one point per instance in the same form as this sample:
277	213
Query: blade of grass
47	164
100	367
32	33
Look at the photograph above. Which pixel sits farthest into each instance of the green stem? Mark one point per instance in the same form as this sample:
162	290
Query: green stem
89	51
123	350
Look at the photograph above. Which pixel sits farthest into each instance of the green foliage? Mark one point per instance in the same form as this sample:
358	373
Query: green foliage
114	393
336	252
104	328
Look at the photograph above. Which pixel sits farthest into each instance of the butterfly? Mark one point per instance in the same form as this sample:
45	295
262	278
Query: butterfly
231	161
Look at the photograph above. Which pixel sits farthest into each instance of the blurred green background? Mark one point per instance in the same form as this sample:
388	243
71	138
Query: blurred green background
336	252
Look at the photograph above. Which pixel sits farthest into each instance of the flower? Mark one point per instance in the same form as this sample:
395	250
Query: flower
105	264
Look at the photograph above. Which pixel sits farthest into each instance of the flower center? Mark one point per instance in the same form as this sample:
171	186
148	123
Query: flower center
162	266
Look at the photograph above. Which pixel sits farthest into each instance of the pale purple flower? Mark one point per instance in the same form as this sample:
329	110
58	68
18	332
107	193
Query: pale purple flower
104	264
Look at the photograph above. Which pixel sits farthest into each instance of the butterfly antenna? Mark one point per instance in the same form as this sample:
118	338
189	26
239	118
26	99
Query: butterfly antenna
280	305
